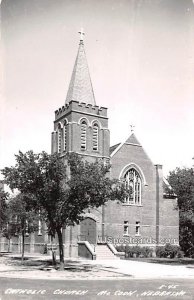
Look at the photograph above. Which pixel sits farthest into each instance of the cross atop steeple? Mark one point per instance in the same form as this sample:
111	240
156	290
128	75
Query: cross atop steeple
132	128
82	33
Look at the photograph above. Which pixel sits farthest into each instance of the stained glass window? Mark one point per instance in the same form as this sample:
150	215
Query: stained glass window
133	183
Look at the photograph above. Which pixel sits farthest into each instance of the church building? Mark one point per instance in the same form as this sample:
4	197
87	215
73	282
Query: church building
148	217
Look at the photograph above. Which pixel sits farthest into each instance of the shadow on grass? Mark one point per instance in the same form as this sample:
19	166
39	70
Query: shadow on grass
32	263
71	267
46	264
27	261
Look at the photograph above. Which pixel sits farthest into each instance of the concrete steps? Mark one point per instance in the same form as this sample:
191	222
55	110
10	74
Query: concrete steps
103	252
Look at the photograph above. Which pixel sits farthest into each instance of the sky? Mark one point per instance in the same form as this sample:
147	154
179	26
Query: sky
141	59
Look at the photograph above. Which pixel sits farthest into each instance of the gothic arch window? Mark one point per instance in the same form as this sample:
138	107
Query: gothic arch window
65	136
59	138
83	136
95	137
134	184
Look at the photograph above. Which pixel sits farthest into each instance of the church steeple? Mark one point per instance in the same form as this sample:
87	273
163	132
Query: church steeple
80	125
80	87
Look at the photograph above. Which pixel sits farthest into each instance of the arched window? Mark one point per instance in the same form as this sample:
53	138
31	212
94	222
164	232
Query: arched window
95	137
59	140
65	136
133	183
83	134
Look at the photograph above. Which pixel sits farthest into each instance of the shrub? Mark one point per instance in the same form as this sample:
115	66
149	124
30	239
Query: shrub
146	251
131	251
190	252
180	254
120	248
137	251
167	251
170	251
160	252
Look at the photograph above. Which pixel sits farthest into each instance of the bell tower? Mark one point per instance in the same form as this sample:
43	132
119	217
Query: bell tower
80	125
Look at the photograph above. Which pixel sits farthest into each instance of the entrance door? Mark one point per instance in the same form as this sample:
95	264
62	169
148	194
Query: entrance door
88	230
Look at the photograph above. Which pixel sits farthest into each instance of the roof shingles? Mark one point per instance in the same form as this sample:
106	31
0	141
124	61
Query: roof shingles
80	87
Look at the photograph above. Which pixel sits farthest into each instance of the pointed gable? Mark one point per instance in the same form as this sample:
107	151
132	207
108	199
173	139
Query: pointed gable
128	154
132	140
80	88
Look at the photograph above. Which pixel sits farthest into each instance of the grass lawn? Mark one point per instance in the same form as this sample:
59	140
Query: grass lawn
166	261
42	266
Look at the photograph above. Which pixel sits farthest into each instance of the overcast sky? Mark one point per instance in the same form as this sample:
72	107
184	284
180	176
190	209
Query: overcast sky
141	60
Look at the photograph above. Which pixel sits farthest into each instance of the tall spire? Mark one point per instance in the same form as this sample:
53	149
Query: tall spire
80	87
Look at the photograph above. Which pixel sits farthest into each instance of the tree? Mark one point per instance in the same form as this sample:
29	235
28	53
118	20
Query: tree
19	218
41	176
23	219
182	182
62	188
3	208
5	230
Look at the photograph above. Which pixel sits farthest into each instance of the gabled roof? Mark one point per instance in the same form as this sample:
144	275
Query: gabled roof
132	140
80	87
112	148
168	191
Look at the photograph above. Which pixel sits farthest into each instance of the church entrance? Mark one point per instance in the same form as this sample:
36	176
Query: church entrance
88	230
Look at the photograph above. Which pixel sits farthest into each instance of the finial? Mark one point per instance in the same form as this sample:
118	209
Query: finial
81	32
132	128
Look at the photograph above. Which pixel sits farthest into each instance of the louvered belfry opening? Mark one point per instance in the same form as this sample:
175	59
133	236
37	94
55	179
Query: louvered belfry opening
95	137
83	135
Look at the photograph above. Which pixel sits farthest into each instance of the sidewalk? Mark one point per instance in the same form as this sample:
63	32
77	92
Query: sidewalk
144	270
36	267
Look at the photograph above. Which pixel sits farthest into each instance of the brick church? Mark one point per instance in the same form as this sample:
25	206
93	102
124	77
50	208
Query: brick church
147	217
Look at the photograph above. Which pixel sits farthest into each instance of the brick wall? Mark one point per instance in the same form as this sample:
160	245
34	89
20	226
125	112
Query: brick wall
116	213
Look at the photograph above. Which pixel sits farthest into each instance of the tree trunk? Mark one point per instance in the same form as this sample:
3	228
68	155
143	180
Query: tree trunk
53	253
61	252
54	258
9	242
23	243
